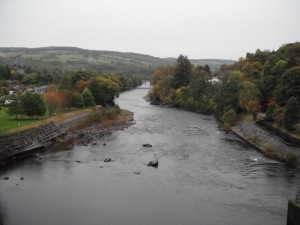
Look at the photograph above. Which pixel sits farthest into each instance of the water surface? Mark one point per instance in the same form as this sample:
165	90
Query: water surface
205	177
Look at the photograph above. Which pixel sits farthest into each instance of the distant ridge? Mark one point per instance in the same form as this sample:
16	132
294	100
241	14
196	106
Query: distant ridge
73	58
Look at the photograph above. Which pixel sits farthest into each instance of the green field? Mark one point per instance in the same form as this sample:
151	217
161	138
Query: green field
9	122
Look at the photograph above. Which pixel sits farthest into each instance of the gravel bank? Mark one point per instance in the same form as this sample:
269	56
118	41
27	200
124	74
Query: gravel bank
261	139
88	134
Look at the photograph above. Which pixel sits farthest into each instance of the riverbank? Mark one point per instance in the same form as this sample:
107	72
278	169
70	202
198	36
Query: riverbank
94	127
81	128
265	142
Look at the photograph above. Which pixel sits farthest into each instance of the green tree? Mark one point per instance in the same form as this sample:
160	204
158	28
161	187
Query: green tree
88	98
291	113
104	89
183	69
66	83
16	107
289	84
5	72
77	100
228	95
33	105
82	75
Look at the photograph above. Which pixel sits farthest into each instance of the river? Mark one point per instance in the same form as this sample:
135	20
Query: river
205	177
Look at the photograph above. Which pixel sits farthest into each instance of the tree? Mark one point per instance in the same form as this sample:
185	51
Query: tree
104	90
253	107
5	72
80	85
291	113
289	84
33	104
82	75
66	98
53	102
15	107
66	83
88	98
248	98
77	101
182	73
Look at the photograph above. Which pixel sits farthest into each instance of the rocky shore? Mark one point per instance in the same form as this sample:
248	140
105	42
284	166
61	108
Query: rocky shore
85	132
265	142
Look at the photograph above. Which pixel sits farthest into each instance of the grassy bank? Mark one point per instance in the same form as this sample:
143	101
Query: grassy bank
9	124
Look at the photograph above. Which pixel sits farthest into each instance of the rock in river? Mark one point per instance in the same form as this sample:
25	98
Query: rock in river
107	160
153	163
147	145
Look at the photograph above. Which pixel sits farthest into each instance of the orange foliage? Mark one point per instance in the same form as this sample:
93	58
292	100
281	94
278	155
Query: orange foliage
80	85
53	102
66	98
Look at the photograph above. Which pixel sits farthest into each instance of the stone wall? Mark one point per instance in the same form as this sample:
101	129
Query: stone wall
19	142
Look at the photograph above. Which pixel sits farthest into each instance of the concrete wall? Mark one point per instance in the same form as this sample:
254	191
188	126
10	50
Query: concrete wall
293	217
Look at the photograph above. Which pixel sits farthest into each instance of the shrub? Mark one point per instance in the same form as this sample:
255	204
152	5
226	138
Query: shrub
229	118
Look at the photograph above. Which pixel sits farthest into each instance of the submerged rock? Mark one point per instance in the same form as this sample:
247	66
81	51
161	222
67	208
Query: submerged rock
147	145
107	160
153	163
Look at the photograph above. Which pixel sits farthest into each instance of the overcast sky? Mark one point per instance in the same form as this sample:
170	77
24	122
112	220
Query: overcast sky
225	29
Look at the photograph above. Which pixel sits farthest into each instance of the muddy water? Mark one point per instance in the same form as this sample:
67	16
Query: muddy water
205	177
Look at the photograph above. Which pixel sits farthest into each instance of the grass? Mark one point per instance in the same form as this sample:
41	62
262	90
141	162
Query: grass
9	124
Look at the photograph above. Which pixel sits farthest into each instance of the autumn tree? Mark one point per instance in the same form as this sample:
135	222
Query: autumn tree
80	85
52	99
248	98
66	99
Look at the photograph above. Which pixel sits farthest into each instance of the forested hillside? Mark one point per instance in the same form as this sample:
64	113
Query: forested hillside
261	81
58	60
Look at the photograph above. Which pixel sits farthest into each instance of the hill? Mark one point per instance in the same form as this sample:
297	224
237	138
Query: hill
71	58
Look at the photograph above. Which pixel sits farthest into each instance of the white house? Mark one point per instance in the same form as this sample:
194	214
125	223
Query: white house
8	101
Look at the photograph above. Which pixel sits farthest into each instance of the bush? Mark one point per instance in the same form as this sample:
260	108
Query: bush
229	118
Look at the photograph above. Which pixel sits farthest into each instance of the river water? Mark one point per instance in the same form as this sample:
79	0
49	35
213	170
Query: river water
205	177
